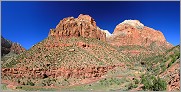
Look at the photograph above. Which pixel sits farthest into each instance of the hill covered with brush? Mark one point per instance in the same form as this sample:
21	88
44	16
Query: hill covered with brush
78	55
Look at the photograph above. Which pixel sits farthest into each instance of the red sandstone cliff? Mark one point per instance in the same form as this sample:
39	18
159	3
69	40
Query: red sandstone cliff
84	26
132	32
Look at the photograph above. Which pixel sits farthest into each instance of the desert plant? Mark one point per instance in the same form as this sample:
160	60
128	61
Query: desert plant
30	83
136	81
132	85
111	81
153	83
64	82
163	67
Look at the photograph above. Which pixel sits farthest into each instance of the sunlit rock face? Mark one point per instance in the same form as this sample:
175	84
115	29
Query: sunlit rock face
84	26
133	32
134	23
108	34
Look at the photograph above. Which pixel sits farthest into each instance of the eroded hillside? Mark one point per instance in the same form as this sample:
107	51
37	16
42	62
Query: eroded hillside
78	55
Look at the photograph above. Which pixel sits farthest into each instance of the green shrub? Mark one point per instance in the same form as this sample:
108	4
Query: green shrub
111	81
30	83
177	54
3	86
64	82
159	84
156	70
10	64
163	67
152	83
132	85
174	58
169	64
136	81
48	81
26	88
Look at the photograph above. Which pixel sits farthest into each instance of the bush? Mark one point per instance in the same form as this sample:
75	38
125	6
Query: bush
26	88
111	81
30	83
174	58
48	81
10	64
169	64
163	67
3	86
177	54
152	83
136	81
132	85
159	84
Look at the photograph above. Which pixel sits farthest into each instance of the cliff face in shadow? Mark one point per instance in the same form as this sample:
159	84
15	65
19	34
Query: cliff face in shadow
8	46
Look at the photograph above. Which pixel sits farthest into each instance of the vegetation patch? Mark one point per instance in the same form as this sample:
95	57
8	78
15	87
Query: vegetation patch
153	83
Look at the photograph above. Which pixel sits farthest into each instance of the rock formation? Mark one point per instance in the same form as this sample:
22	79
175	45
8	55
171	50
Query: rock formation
84	26
108	34
69	55
132	32
8	46
17	48
67	73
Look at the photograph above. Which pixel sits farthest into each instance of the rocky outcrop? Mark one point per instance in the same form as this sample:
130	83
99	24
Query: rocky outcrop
108	34
89	72
174	83
8	46
17	48
60	57
84	26
172	75
5	46
132	32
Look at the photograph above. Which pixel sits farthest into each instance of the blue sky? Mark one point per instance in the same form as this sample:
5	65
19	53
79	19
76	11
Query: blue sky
29	22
